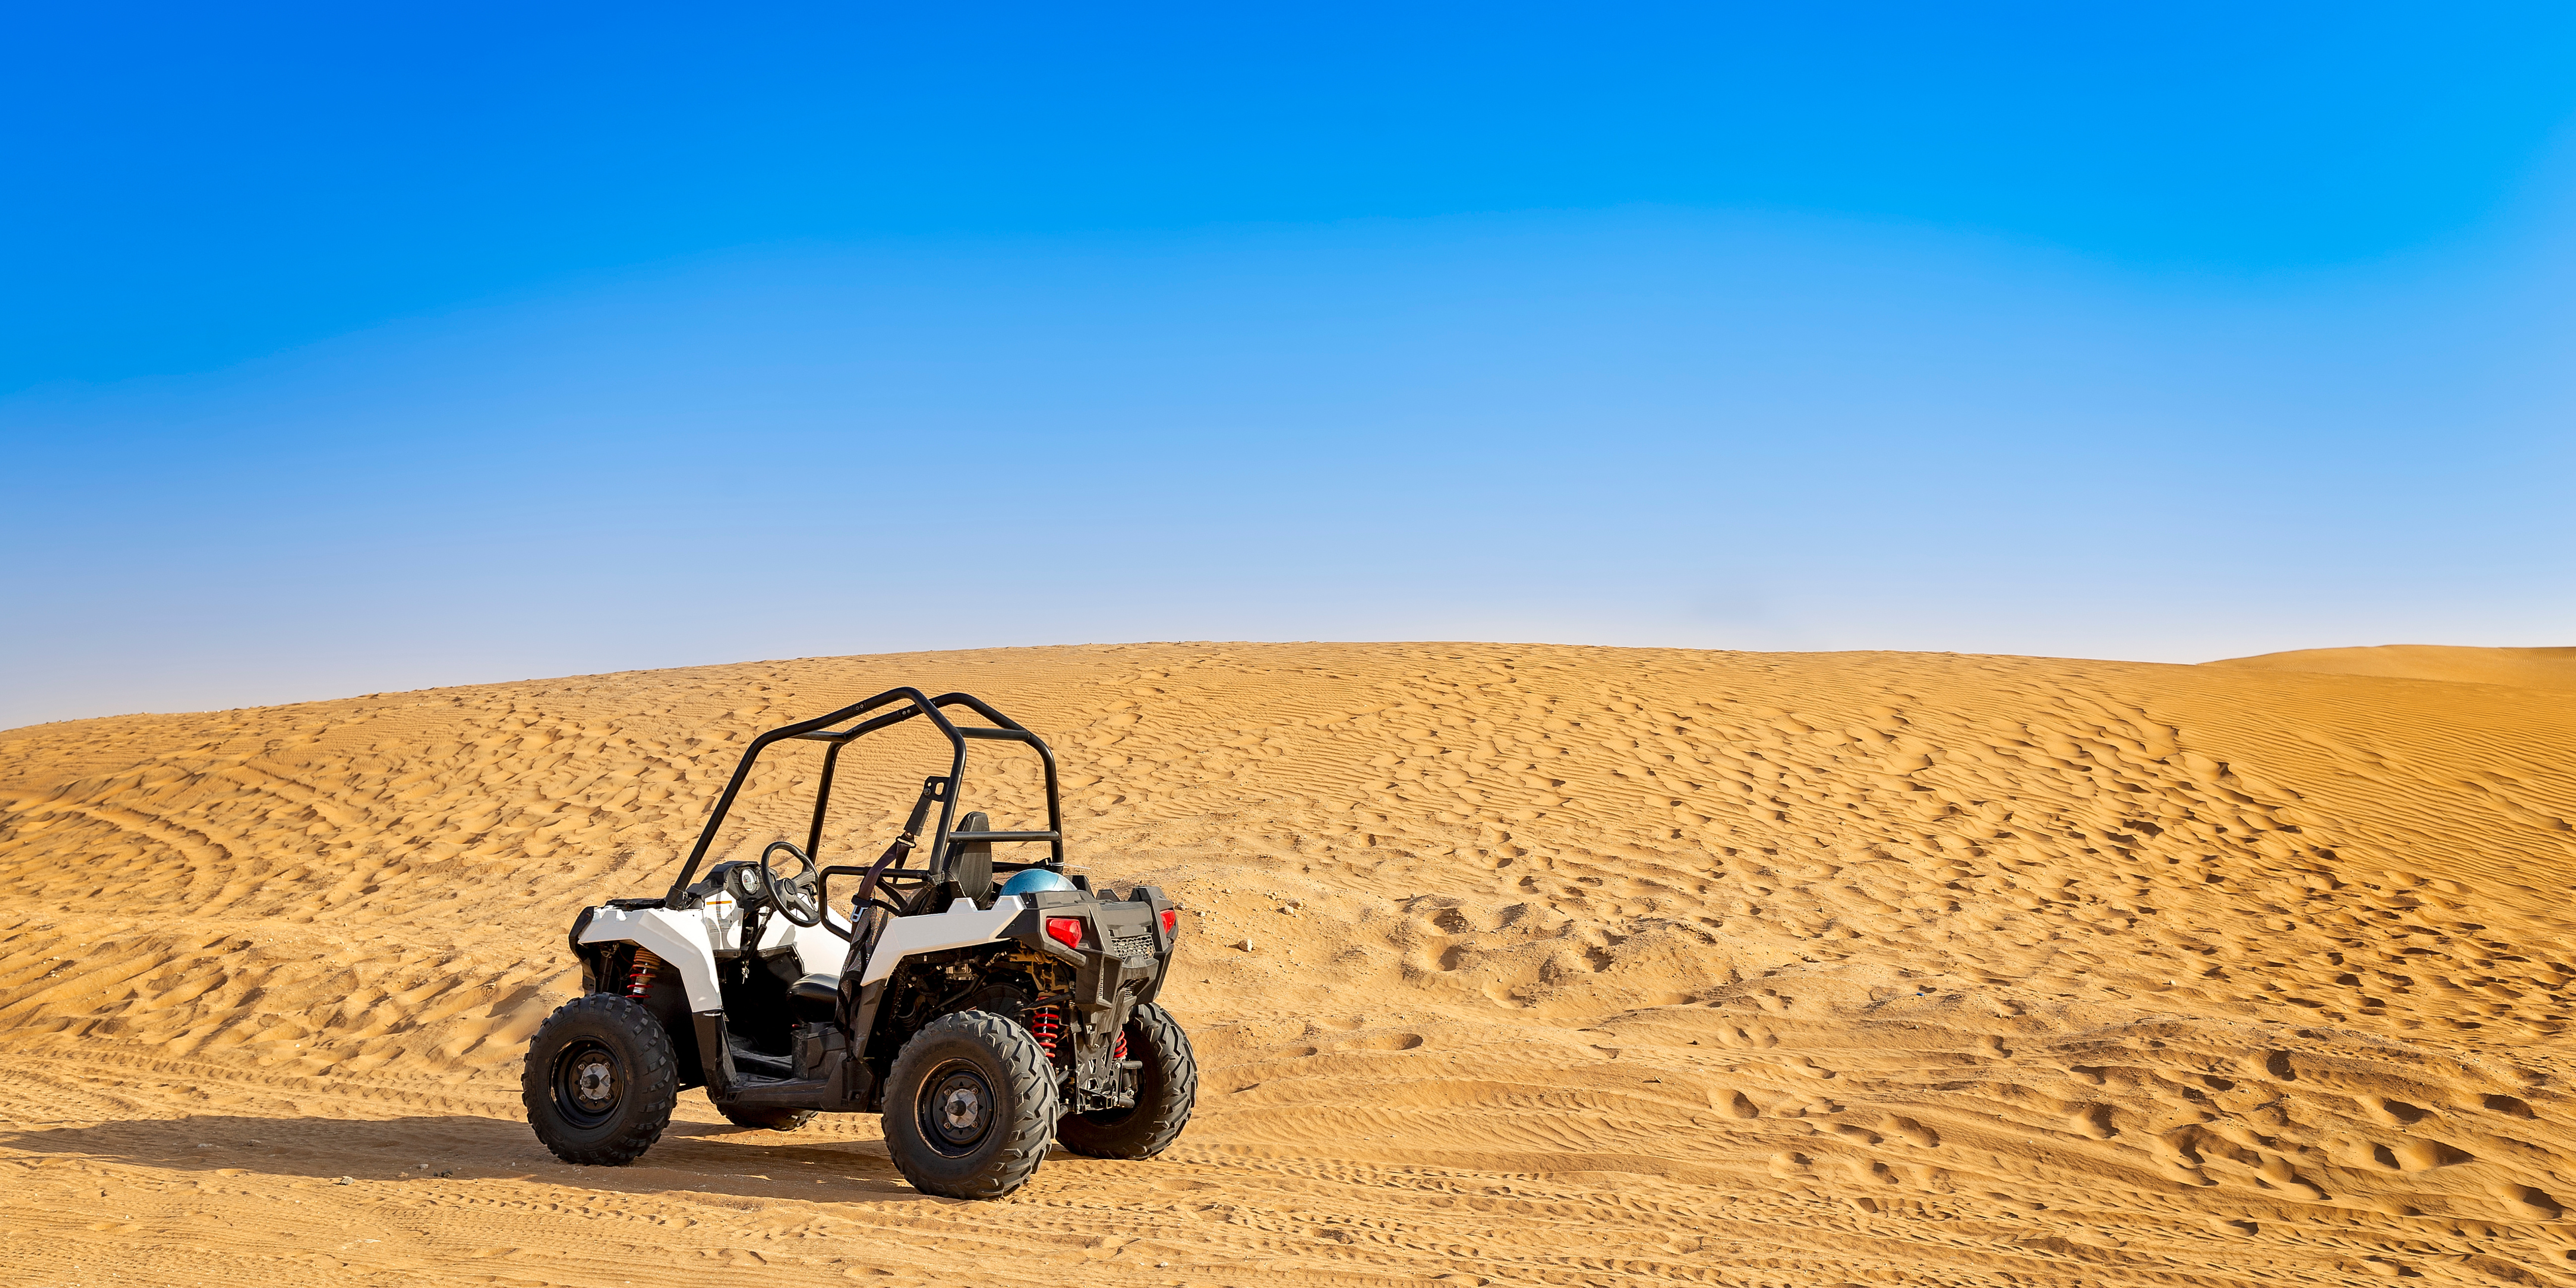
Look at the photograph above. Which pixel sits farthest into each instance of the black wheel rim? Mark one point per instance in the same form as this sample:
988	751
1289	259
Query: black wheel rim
589	1083
956	1108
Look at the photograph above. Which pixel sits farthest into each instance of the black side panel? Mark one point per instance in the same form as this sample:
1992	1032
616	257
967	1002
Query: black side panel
715	1058
579	924
870	928
1166	941
756	1004
859	1089
864	1004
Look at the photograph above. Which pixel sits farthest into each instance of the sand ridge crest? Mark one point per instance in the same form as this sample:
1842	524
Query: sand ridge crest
2528	668
1568	965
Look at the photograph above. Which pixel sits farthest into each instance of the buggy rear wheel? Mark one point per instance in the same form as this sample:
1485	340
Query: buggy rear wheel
1166	1090
969	1105
600	1081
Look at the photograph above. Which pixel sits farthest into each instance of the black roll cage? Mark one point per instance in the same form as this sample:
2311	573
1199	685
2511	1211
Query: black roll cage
944	790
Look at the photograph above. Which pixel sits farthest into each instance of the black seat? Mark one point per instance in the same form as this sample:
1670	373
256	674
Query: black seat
967	866
969	863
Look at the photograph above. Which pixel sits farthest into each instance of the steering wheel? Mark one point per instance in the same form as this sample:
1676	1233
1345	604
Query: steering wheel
792	896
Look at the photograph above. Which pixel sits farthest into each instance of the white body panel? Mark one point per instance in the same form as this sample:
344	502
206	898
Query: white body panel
678	938
817	949
956	928
688	941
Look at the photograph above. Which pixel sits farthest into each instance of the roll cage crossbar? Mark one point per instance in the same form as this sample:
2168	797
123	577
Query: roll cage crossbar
944	790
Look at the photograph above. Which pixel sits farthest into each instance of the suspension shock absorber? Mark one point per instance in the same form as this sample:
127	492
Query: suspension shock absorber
1046	1027
1119	1052
639	981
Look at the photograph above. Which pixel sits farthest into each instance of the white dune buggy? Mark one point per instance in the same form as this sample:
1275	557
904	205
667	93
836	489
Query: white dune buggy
980	1020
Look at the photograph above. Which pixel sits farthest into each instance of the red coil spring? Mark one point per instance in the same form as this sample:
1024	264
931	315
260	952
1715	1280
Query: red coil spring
1121	1052
640	979
1044	1024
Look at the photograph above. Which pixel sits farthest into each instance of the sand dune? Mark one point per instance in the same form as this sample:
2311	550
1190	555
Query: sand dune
2527	668
1566	966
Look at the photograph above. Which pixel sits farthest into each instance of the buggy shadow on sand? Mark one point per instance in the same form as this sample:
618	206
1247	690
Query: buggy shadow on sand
980	1020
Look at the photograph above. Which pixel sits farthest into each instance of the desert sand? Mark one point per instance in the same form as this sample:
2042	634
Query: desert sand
2529	668
1565	966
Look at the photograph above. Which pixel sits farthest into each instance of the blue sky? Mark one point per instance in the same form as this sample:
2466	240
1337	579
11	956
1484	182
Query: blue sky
350	352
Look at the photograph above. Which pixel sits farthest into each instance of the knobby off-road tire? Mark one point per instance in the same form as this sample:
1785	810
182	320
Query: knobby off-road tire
1166	1089
773	1119
969	1105
600	1081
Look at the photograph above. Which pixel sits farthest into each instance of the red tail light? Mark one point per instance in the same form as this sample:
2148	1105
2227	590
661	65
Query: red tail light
1065	930
1171	921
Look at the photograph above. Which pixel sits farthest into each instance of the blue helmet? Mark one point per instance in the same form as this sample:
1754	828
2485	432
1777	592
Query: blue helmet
1032	880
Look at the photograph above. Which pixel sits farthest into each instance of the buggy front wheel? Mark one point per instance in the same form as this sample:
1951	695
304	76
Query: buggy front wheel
600	1081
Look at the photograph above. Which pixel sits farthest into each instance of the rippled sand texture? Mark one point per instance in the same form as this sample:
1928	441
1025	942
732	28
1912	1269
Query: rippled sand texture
1566	966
